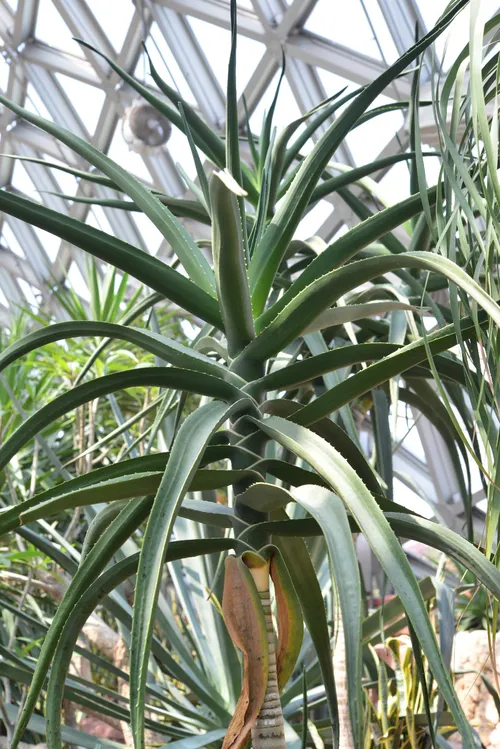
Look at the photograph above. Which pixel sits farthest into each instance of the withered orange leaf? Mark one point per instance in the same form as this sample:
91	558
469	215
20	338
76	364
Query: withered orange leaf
246	625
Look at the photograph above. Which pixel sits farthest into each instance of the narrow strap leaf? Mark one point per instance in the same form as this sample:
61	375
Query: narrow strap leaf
105	584
344	481
269	253
330	514
112	539
138	264
184	246
346	247
186	454
306	585
229	265
317	297
147	377
161	346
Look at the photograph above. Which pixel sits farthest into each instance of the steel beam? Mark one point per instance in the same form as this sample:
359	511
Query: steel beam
24	21
193	63
57	61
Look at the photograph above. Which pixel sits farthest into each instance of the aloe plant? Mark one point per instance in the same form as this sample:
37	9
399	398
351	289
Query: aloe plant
273	375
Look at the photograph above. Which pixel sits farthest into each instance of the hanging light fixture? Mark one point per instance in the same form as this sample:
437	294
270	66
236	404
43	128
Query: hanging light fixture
144	129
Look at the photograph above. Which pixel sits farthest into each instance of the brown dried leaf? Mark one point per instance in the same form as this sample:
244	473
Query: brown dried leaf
246	625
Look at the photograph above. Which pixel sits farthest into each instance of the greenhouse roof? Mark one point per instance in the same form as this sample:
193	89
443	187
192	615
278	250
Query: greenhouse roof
326	46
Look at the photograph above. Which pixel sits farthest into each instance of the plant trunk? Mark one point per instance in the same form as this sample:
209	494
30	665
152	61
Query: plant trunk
268	731
340	670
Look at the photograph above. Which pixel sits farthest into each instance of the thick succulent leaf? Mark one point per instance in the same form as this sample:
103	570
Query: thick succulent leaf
244	617
105	583
383	438
184	246
290	474
111	540
152	376
335	435
382	371
229	263
98	179
289	617
353	312
325	291
187	452
331	516
346	247
392	615
269	253
350	176
344	481
138	264
306	586
322	113
144	304
343	356
114	490
161	346
144	464
264	497
361	210
179	207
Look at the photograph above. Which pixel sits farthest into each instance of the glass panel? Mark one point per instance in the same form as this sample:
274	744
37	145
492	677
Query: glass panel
165	63
311	223
51	29
115	24
4	73
286	110
351	29
10	240
216	44
131	160
50	242
87	100
77	282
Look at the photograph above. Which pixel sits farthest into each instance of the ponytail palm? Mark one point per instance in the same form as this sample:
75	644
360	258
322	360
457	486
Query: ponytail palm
275	373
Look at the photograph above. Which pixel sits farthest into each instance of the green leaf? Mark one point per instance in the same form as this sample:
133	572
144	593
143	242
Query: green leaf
335	435
352	312
383	438
186	249
107	582
146	268
329	512
161	346
269	253
114	490
111	540
315	366
187	452
179	206
392	615
305	582
325	291
344	248
233	164
344	481
147	377
382	371
229	263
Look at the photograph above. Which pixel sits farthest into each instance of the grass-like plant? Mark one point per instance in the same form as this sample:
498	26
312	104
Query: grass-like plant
288	344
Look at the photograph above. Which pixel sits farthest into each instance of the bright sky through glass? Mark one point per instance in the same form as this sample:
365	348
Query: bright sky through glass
359	25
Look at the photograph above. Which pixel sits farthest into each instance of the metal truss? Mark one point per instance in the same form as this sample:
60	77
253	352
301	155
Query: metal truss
35	69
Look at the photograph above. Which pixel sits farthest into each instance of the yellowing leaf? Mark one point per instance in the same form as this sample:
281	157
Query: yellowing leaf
290	624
